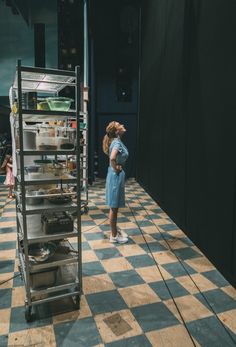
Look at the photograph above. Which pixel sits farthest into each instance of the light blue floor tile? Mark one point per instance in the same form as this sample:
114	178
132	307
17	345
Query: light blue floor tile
82	332
107	253
215	277
106	302
124	279
154	316
3	340
18	320
177	269
92	268
140	260
209	332
218	300
186	253
5	298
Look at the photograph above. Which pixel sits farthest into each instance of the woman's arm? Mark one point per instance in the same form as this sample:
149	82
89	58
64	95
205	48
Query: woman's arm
9	165
116	168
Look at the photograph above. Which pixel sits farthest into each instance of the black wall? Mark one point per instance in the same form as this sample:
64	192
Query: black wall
186	149
114	46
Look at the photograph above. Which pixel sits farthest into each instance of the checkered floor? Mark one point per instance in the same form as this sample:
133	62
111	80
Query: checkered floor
159	285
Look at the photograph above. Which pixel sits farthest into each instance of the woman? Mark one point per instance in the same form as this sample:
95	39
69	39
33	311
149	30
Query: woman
9	181
115	181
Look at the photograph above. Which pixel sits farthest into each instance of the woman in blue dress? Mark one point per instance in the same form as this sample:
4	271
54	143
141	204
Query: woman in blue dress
115	181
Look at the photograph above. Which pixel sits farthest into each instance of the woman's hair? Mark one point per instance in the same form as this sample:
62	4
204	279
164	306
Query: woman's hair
110	135
6	161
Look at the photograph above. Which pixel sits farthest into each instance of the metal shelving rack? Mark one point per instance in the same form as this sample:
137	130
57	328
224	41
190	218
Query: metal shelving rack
29	79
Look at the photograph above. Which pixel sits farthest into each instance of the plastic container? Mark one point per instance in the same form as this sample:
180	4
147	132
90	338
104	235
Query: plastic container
59	103
40	176
29	139
71	133
44	278
82	126
66	138
46	142
46	130
32	168
68	273
43	105
45	165
61	141
34	197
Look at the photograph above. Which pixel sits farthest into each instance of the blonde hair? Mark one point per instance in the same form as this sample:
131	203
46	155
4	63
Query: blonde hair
6	161
109	137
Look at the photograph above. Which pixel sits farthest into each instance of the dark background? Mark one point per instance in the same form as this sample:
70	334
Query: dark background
114	39
186	140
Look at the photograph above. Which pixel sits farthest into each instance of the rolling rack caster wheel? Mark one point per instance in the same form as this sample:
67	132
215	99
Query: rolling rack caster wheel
77	302
28	313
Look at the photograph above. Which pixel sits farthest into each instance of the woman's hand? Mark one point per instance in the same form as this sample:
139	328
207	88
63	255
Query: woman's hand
118	169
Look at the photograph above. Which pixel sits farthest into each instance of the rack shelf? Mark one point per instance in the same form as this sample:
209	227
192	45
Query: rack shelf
43	80
70	113
56	288
59	259
63	290
56	180
44	116
49	152
38	209
42	237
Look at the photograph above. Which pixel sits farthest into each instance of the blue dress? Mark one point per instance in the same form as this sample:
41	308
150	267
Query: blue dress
115	183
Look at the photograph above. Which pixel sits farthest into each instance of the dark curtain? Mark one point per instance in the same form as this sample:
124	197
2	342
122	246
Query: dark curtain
187	120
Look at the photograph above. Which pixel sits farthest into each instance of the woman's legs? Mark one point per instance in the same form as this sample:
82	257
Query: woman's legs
113	220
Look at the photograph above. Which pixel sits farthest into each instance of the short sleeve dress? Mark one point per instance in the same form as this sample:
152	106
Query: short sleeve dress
115	183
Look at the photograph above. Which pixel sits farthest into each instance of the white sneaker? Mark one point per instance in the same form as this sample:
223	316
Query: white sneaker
118	239
122	233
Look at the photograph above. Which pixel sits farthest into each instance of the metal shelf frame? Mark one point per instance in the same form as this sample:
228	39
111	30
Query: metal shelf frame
44	116
49	152
43	80
57	80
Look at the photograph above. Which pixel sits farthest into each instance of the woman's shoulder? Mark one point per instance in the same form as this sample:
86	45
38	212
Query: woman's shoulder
116	144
